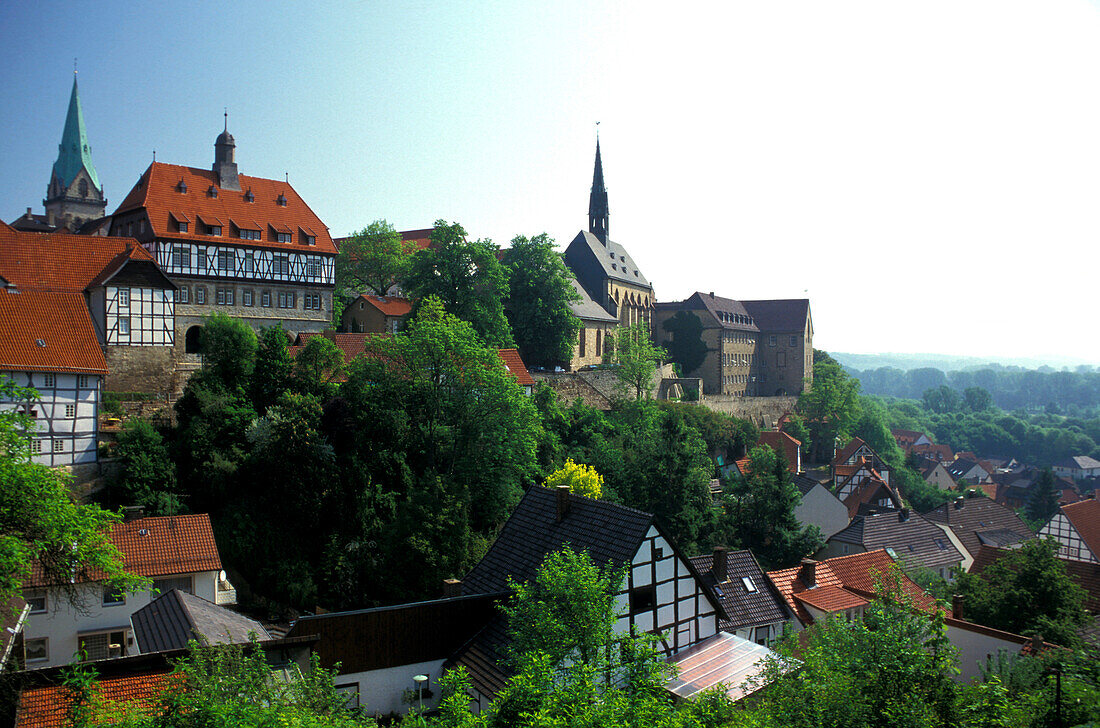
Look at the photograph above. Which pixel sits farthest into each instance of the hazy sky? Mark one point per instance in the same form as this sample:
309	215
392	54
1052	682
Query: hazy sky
927	172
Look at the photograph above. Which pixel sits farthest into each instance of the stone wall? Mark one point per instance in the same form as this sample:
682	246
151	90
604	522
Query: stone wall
140	369
569	386
762	411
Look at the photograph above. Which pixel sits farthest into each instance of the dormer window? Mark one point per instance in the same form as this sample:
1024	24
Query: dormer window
181	187
281	200
182	226
213	229
250	234
212	192
311	240
282	237
248	196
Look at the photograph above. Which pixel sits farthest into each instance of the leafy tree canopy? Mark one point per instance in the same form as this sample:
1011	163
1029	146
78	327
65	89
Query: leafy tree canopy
540	290
687	347
830	406
580	479
634	357
372	259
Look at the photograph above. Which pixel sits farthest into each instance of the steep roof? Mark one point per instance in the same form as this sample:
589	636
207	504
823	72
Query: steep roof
782	442
61	261
968	518
613	259
855	574
850	449
1079	462
158	546
158	192
388	305
1085	518
789	314
74	154
726	312
608	531
871	490
1085	574
588	310
170	620
47	706
912	539
60	321
743	607
513	363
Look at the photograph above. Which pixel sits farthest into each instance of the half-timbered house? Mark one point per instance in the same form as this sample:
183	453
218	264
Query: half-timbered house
852	457
1077	527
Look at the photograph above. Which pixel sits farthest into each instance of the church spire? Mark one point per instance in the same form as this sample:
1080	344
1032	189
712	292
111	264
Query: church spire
598	223
74	154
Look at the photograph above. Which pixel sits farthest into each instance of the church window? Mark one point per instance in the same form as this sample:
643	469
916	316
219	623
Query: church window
580	341
83	188
124	325
123	297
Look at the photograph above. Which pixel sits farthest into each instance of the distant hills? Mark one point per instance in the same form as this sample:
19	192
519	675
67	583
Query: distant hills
949	363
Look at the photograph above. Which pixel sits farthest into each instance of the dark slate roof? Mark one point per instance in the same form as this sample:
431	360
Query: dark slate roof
609	532
969	516
804	484
789	314
1000	537
588	310
743	608
170	620
613	258
913	540
722	310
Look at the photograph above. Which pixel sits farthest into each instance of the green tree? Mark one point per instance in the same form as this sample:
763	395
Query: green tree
1043	502
977	399
40	522
372	259
579	478
942	399
634	357
759	512
540	289
830	406
796	427
1026	591
466	277
148	476
228	353
687	347
317	366
273	368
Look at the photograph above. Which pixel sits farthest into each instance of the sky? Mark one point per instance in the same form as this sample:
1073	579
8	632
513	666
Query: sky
927	173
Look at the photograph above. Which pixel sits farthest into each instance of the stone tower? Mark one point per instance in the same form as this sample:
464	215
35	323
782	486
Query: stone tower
74	195
597	202
225	165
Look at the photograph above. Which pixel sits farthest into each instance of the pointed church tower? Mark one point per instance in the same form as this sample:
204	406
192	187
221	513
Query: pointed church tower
597	202
74	195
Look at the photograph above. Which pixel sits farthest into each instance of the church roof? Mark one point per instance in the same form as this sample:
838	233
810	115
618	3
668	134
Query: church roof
162	196
61	261
48	331
74	153
782	314
588	310
613	258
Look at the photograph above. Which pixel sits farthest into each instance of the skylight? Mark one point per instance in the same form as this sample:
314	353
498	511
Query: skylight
749	585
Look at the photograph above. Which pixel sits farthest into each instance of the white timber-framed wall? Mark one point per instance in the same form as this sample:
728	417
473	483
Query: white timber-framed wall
135	316
66	415
1073	546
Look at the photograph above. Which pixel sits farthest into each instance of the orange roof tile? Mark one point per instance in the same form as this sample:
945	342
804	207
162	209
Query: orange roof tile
389	305
159	546
830	599
1085	517
47	706
158	193
783	443
60	321
854	444
60	261
514	364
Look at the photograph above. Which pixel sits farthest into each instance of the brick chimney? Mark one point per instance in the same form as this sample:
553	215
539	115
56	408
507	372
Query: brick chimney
452	588
718	567
562	495
957	601
808	572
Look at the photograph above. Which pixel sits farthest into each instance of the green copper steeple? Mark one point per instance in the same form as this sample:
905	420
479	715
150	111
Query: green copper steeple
74	152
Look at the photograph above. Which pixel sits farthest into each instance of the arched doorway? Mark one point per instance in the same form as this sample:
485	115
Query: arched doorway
192	340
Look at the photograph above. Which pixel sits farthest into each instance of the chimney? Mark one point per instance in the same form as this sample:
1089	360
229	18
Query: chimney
903	515
452	588
711	293
959	503
1037	643
957	606
29	215
562	494
718	568
971	493
808	572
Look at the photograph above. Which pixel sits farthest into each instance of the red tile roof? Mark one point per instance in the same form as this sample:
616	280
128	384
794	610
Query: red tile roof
47	706
514	364
829	599
60	261
1085	518
854	444
388	305
855	574
784	443
158	193
60	321
160	546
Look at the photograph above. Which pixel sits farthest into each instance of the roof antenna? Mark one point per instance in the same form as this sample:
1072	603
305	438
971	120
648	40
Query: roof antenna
154	155
226	108
287	175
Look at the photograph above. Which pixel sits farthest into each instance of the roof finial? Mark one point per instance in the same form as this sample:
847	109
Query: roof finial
226	108
74	66
597	131
287	176
154	155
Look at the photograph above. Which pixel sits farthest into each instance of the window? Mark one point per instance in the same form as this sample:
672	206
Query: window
642	599
36	446
771	340
313	269
103	645
124	297
200	294
185	294
265	299
202	260
182	226
312	301
225	260
181	255
38	602
781	359
82	381
49	380
180	583
249	263
311	240
280	265
59	446
246	296
36	650
581	342
124	325
794	341
224	296
282	237
113	597
287	300
70	411
250	234
748	583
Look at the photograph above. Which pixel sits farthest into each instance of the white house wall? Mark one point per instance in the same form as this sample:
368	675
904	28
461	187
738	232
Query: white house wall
1073	546
310	268
974	648
148	312
379	692
66	416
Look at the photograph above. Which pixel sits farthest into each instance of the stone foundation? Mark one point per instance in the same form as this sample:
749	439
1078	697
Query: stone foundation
140	369
761	411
